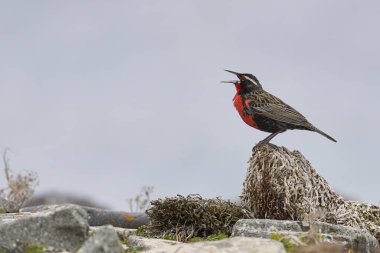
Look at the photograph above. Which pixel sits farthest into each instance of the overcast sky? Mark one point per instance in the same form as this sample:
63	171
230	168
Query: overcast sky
103	97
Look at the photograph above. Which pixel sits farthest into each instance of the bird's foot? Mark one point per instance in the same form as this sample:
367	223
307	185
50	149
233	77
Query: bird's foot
263	142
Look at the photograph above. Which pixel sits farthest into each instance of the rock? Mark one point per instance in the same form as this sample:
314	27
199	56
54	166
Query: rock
61	229
358	240
123	233
104	240
231	245
8	206
282	185
323	248
100	217
149	243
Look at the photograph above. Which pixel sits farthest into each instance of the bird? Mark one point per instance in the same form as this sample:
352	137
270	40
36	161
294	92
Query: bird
264	111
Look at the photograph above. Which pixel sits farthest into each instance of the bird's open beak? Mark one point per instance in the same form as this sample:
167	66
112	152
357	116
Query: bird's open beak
232	81
233	72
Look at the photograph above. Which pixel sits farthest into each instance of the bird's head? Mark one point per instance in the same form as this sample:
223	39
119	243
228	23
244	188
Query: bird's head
246	81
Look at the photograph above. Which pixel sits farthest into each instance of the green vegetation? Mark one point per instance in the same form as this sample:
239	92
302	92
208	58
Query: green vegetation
289	245
35	248
304	239
140	230
134	249
131	248
214	237
168	237
276	236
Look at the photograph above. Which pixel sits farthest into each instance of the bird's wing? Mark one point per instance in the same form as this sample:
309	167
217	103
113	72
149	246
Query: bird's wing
282	113
274	108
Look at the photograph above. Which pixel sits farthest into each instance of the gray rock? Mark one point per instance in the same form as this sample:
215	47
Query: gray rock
149	243
8	206
100	217
104	240
123	233
230	245
358	240
59	229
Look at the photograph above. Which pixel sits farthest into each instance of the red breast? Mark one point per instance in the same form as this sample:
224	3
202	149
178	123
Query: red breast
239	105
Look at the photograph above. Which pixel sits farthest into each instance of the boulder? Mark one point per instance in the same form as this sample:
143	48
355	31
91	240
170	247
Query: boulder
123	233
356	239
231	245
100	217
144	243
104	240
59	229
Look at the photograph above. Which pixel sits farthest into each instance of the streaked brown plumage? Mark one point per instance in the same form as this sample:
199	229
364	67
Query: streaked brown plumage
266	112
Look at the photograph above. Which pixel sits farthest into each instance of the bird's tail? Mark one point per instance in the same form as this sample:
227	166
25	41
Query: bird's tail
322	133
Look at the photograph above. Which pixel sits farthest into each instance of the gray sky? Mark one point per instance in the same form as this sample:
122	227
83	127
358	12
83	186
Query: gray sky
103	97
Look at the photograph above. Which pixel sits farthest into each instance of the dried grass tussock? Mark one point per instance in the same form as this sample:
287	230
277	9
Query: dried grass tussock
370	215
182	218
281	184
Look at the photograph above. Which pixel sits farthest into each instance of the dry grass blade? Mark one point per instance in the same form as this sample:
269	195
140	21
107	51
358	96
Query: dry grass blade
20	187
141	202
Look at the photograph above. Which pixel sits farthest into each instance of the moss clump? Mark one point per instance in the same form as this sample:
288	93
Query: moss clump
276	236
131	248
215	237
168	237
134	249
139	231
288	243
35	248
183	218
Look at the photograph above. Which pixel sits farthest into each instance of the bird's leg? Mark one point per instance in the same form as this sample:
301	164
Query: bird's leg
270	137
